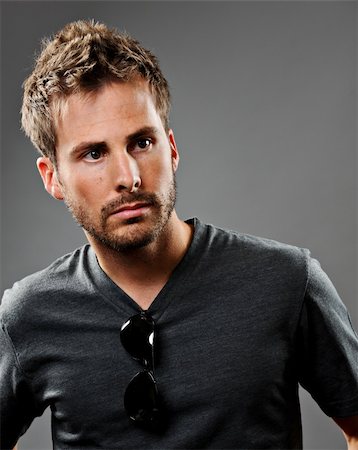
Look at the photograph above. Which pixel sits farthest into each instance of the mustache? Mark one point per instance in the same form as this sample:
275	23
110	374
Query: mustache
135	197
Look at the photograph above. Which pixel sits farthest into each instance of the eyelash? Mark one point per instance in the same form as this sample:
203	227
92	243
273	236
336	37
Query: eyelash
99	151
141	140
131	147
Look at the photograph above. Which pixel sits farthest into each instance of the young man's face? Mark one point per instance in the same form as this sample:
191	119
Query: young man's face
115	165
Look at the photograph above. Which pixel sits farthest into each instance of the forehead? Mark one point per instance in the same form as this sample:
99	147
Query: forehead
118	95
115	106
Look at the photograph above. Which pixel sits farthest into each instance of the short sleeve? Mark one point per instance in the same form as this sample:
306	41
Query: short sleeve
328	347
17	409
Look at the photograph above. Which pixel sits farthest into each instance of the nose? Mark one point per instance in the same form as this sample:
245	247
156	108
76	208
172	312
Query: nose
126	173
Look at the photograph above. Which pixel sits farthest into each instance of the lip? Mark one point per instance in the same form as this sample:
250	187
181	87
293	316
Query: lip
131	210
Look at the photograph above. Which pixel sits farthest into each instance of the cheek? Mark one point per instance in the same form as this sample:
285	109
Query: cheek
160	173
85	189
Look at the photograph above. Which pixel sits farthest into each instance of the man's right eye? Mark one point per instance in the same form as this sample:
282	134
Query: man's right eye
93	155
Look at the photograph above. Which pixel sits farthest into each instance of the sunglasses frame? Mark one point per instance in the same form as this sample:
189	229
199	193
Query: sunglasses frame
141	397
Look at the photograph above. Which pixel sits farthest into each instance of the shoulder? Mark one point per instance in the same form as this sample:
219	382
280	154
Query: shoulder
255	248
251	259
29	294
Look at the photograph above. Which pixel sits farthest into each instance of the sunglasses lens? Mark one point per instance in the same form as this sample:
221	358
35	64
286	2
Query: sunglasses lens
141	398
137	337
141	401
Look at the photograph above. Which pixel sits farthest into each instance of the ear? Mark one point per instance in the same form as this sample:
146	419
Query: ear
174	150
49	177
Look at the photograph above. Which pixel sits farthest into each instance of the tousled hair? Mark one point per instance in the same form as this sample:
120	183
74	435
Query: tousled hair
82	58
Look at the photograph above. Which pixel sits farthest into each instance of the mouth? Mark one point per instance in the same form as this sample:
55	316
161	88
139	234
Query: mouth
131	210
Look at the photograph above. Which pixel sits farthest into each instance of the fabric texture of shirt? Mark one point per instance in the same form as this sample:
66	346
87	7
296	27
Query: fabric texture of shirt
240	323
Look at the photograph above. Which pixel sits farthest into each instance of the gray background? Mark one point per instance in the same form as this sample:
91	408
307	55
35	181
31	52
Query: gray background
264	114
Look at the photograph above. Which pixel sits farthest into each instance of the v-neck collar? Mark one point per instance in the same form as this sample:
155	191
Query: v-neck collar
121	300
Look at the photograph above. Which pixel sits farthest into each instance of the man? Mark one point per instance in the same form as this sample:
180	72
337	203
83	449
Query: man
160	333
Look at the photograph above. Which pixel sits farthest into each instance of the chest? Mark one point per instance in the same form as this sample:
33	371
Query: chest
209	354
212	353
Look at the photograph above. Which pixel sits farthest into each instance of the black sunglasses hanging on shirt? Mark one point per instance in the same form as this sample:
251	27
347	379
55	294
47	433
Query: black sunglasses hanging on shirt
141	397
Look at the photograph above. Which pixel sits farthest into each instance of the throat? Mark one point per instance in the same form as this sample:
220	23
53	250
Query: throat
143	280
143	273
144	295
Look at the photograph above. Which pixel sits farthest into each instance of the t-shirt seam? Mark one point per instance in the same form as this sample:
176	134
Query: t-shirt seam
117	305
13	348
340	405
351	324
93	285
341	402
186	273
307	276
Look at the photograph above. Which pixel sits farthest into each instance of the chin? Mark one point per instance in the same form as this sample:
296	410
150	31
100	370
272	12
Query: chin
135	236
126	244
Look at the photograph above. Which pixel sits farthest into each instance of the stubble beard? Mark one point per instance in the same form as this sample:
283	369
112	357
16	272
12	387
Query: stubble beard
137	234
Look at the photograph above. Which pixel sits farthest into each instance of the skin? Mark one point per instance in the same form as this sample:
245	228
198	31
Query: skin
102	166
110	169
349	427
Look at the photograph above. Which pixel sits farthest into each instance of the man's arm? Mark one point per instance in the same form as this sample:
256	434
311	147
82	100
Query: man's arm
16	412
349	426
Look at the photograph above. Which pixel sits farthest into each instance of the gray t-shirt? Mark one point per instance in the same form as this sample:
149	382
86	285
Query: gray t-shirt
241	322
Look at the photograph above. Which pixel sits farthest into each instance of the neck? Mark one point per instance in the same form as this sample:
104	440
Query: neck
142	272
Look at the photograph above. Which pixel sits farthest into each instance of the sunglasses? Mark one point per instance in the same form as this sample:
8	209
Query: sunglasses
141	397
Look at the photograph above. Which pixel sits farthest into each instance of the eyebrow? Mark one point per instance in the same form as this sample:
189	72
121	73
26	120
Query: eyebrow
88	146
142	132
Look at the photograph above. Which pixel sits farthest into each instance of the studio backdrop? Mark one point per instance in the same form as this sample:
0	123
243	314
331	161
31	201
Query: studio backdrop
265	117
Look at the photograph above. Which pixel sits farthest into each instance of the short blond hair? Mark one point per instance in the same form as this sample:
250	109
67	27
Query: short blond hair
82	58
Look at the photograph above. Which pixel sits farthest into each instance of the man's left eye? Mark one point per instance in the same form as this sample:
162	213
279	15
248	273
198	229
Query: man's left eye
143	143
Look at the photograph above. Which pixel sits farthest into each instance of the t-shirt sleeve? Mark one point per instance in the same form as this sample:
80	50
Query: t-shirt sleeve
17	408
328	347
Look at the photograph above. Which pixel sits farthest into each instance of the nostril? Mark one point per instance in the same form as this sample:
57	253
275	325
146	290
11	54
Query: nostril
136	184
